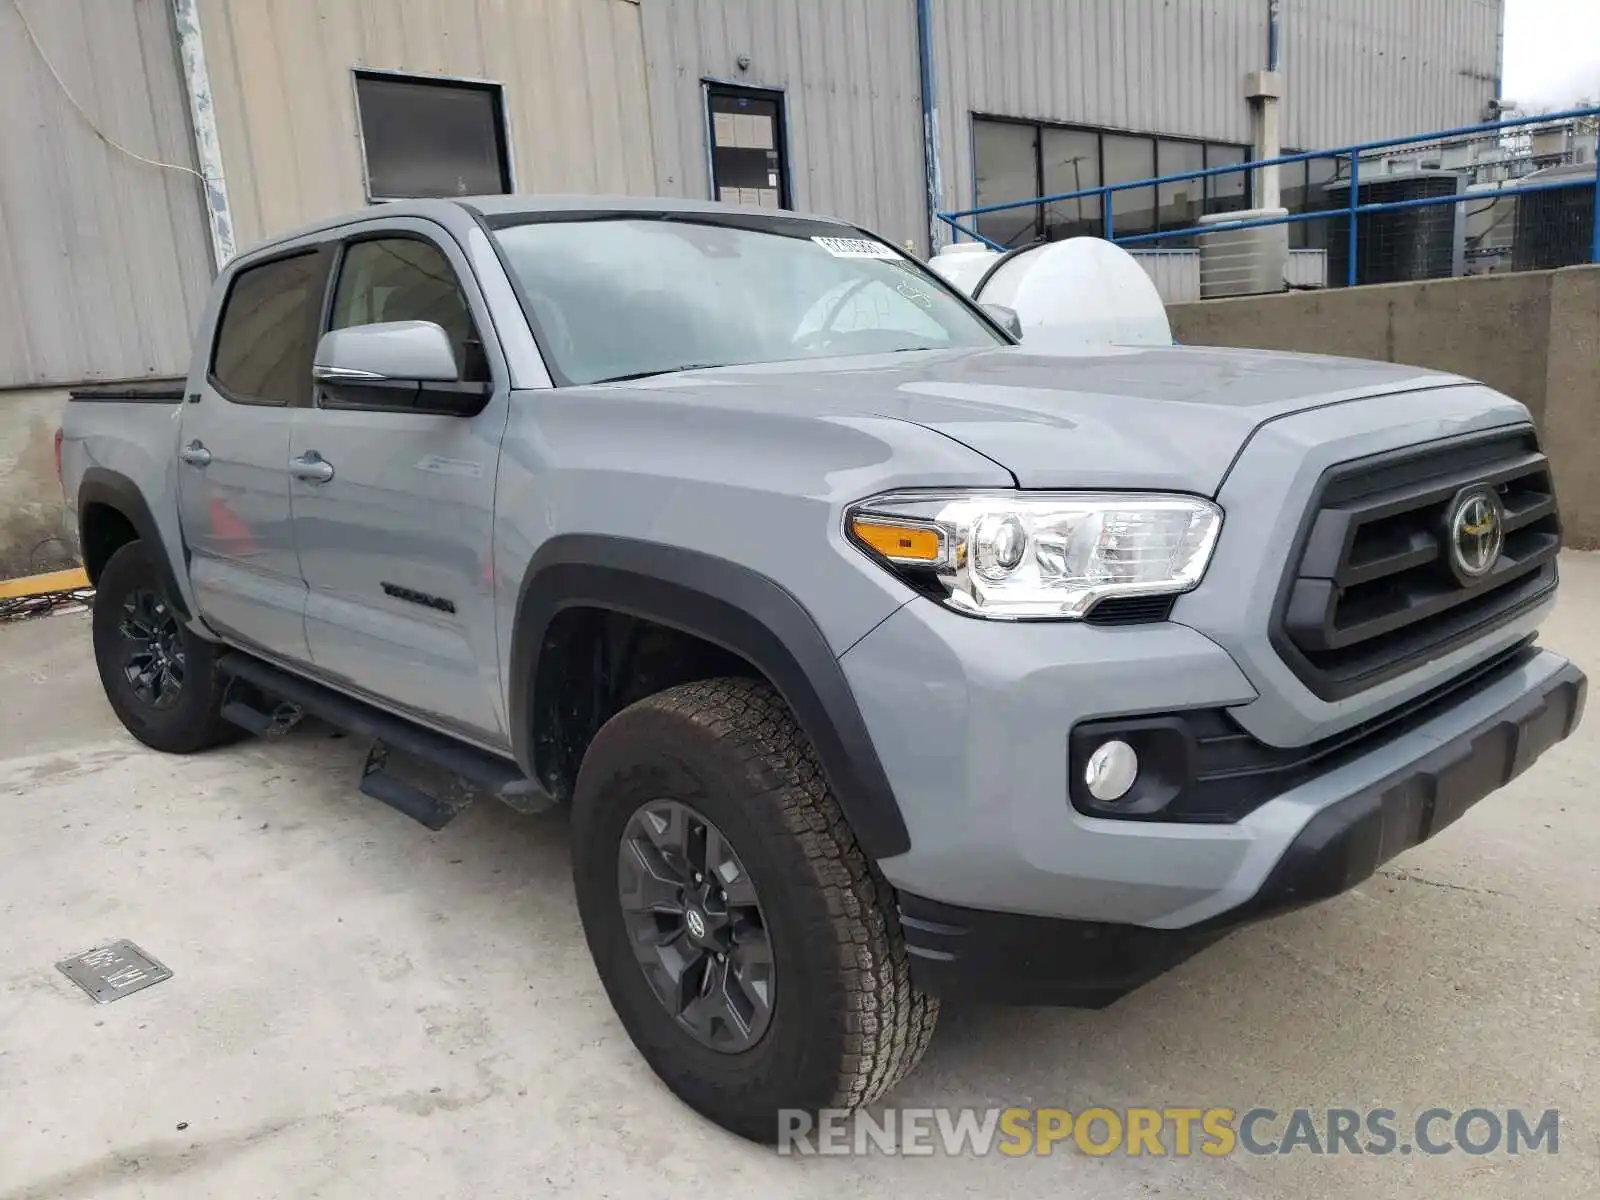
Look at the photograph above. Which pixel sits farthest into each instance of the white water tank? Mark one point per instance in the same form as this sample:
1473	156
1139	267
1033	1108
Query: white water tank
1081	292
1243	262
962	264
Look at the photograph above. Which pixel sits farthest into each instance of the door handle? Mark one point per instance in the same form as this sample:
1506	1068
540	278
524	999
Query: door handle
195	454
311	467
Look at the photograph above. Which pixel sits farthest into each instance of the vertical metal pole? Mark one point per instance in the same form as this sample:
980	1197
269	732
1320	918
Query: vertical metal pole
1355	203
1110	220
203	123
1594	255
930	125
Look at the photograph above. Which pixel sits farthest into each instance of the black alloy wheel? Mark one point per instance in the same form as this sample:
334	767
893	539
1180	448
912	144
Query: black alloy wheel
153	654
694	922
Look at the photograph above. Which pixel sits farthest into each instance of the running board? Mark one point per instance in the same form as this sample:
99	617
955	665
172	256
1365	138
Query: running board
399	746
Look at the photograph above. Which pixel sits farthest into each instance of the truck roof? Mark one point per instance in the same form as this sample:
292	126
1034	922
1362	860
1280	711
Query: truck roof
450	211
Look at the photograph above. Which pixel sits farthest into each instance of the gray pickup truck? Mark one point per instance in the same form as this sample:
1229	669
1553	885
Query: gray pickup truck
879	659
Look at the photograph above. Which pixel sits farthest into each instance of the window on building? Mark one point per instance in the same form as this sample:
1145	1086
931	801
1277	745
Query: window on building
407	279
1005	158
748	154
1230	192
1183	202
1304	188
432	137
1016	160
264	338
1072	163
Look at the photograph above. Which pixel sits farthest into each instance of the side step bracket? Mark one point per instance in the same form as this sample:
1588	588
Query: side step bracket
427	775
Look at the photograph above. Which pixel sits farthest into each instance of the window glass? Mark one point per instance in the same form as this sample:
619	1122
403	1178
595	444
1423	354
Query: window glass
1183	201
431	137
623	298
1006	160
1072	163
264	339
1292	189
406	279
1130	158
1230	192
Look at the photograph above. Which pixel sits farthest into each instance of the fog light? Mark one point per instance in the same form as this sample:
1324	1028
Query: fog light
1111	771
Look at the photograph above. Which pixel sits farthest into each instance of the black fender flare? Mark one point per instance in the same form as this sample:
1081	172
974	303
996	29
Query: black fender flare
102	486
733	607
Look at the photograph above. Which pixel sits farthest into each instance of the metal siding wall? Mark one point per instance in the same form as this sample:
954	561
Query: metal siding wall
852	100
1159	66
1359	70
573	73
1356	69
104	262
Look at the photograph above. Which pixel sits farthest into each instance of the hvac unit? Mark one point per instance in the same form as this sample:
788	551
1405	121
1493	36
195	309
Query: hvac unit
1243	262
1555	228
1402	244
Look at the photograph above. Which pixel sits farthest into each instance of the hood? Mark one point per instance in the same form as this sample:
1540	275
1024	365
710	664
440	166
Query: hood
1169	418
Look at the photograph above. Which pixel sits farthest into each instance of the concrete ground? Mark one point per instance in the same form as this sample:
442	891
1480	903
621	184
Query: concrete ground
360	1008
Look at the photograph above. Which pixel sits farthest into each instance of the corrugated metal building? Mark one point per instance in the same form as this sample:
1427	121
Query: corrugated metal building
144	140
806	103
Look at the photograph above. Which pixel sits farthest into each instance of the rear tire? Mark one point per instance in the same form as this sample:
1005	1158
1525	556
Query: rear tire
161	679
844	1023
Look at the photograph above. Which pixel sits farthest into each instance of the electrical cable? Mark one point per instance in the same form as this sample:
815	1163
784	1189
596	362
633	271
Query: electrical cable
82	112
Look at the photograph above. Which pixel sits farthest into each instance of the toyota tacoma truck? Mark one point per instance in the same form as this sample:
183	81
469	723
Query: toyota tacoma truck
878	659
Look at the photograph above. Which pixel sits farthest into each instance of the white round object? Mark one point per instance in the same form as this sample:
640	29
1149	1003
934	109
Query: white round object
962	264
1111	770
1079	293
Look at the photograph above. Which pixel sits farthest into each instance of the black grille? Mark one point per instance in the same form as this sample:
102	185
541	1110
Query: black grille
1371	589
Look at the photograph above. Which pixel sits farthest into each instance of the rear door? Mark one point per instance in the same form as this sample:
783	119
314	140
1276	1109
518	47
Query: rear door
233	477
395	540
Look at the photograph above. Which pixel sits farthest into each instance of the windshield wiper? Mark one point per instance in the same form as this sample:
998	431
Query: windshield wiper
657	371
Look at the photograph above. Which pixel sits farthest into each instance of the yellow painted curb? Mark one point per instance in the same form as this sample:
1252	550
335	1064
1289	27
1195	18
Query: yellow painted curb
43	585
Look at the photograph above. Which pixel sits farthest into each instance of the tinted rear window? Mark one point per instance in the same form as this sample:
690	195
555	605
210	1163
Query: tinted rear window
264	340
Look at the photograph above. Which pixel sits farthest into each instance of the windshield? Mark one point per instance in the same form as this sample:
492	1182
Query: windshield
624	297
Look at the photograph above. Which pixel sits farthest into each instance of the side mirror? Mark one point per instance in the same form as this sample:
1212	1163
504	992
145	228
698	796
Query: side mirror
1006	318
407	365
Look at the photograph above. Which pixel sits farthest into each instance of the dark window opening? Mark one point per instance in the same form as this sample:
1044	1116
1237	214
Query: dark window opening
431	137
749	163
1017	160
265	335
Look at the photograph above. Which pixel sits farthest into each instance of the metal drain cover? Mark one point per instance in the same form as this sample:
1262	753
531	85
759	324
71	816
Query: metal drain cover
113	971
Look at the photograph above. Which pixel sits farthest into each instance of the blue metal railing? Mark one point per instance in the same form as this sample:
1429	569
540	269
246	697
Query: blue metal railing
1353	210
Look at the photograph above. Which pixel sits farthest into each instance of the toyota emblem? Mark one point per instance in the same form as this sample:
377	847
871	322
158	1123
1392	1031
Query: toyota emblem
1477	532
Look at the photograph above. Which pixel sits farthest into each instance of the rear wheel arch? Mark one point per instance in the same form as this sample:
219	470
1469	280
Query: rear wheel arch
723	619
111	513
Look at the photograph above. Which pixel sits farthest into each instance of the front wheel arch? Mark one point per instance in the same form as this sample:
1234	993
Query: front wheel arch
730	608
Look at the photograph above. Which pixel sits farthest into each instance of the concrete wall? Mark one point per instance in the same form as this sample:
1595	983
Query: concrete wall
1534	336
35	532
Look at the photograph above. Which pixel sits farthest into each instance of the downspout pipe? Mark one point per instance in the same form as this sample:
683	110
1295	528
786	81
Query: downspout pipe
203	125
930	122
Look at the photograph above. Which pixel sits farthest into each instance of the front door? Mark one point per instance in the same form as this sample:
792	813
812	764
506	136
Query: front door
394	515
233	456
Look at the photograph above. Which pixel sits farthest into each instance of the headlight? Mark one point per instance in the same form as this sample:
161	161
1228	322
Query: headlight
1038	555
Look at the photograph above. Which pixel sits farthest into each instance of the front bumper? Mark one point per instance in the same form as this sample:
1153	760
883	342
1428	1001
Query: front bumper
1009	958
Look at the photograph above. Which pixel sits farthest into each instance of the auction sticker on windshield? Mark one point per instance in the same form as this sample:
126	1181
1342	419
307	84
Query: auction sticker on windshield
844	247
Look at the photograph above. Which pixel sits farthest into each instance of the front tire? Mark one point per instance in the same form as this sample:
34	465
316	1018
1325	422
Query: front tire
160	678
757	917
